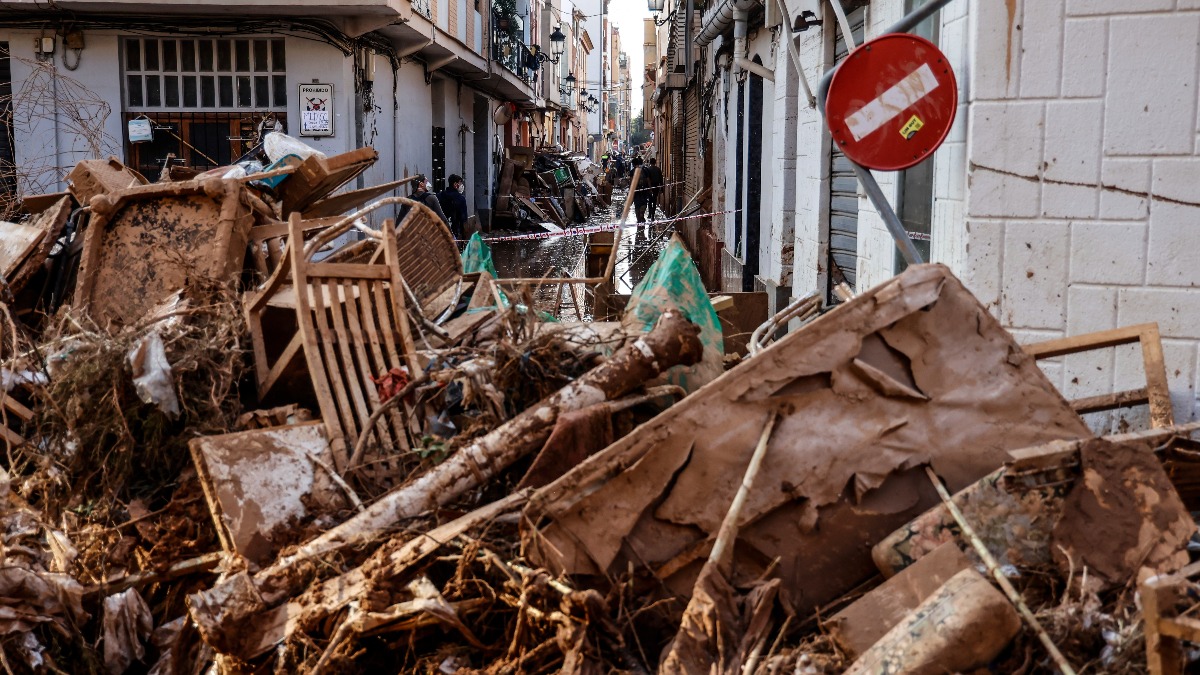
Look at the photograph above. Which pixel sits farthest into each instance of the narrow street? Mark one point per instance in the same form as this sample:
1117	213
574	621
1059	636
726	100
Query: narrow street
563	256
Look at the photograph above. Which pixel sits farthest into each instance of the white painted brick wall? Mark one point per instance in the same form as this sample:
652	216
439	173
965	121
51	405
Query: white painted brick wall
1083	197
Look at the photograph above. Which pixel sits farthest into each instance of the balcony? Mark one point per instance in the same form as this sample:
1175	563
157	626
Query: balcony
510	51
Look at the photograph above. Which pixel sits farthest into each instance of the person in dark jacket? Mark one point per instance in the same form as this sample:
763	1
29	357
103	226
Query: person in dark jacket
422	192
652	178
454	204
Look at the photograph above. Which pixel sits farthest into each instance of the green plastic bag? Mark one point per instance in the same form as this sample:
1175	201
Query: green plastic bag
672	282
477	257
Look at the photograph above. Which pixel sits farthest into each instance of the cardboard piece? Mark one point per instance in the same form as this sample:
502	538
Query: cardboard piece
262	481
913	372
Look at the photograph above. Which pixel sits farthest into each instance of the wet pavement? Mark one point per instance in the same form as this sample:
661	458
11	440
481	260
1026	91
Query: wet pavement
563	256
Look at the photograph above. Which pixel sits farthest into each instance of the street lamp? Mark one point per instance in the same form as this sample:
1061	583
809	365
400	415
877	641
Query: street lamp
569	81
558	42
656	8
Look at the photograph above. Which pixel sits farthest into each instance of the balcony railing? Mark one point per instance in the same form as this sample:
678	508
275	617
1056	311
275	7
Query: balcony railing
510	51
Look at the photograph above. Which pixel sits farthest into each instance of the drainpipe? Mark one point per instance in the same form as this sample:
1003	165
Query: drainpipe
736	12
740	50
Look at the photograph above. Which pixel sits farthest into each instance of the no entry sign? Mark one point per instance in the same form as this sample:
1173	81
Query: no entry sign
891	102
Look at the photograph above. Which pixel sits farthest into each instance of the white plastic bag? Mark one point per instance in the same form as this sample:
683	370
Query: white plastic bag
279	145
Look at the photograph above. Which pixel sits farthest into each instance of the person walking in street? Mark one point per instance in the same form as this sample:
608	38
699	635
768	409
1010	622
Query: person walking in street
422	192
644	195
652	177
620	162
454	205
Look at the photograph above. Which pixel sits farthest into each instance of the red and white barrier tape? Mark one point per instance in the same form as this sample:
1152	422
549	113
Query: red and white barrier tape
608	227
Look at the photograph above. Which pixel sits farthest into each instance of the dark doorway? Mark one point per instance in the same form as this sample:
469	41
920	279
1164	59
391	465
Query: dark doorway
481	187
754	183
8	159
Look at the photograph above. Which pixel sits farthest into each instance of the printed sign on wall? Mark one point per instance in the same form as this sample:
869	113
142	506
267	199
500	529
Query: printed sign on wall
316	110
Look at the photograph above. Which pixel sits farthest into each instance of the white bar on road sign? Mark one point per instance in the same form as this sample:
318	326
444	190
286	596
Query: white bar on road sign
898	98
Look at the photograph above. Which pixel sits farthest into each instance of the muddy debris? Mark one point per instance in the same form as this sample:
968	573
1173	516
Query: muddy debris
252	423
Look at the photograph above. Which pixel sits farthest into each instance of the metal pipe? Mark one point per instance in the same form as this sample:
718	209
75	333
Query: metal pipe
721	20
916	16
741	30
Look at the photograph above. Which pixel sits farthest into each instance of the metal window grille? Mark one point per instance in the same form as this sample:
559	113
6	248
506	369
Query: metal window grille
205	74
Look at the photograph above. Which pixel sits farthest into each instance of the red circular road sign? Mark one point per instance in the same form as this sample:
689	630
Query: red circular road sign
891	102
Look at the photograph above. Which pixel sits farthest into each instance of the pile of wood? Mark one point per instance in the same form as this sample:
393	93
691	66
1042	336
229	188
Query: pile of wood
246	431
547	187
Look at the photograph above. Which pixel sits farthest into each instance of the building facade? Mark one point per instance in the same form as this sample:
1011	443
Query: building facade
421	81
1065	195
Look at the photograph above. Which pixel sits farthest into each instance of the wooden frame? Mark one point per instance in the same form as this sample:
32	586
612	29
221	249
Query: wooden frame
1156	393
353	325
317	177
1166	627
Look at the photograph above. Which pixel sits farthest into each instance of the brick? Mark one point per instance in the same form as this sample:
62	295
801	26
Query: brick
1121	177
1085	57
1089	309
1041	48
1008	136
996	60
1175	310
1084	7
1108	253
1150	100
1177	179
1069	201
1073	132
980	271
1173	259
992	194
1033	291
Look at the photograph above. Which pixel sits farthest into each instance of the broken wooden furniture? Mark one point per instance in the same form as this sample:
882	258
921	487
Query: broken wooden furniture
146	242
1171	619
93	177
317	177
893	375
1156	393
25	247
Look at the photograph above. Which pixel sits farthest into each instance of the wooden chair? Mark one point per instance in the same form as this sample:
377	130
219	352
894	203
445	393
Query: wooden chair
353	325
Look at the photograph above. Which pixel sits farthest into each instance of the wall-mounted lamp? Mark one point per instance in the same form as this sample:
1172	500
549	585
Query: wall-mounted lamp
558	43
656	8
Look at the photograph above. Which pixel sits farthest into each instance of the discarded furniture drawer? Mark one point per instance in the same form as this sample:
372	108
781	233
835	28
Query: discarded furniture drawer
913	372
94	177
317	177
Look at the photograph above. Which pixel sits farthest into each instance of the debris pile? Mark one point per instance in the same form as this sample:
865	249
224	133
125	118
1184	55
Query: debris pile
247	429
545	187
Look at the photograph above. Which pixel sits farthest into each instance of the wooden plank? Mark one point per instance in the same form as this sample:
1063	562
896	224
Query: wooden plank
1182	627
1120	399
15	407
721	303
310	338
374	346
345	373
391	255
338	204
16	243
316	178
365	370
349	271
1164	653
1157	388
51	222
38	203
286	362
1082	343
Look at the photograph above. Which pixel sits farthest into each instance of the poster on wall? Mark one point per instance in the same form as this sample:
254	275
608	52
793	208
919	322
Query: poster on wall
316	109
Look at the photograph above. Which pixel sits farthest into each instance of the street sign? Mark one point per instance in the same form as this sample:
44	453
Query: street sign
891	102
316	109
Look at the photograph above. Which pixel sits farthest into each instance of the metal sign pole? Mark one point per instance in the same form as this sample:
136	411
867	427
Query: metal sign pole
896	228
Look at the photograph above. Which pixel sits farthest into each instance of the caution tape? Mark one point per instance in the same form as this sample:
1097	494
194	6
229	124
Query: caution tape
591	229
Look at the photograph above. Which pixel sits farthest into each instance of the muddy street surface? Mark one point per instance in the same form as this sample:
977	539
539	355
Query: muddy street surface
563	256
